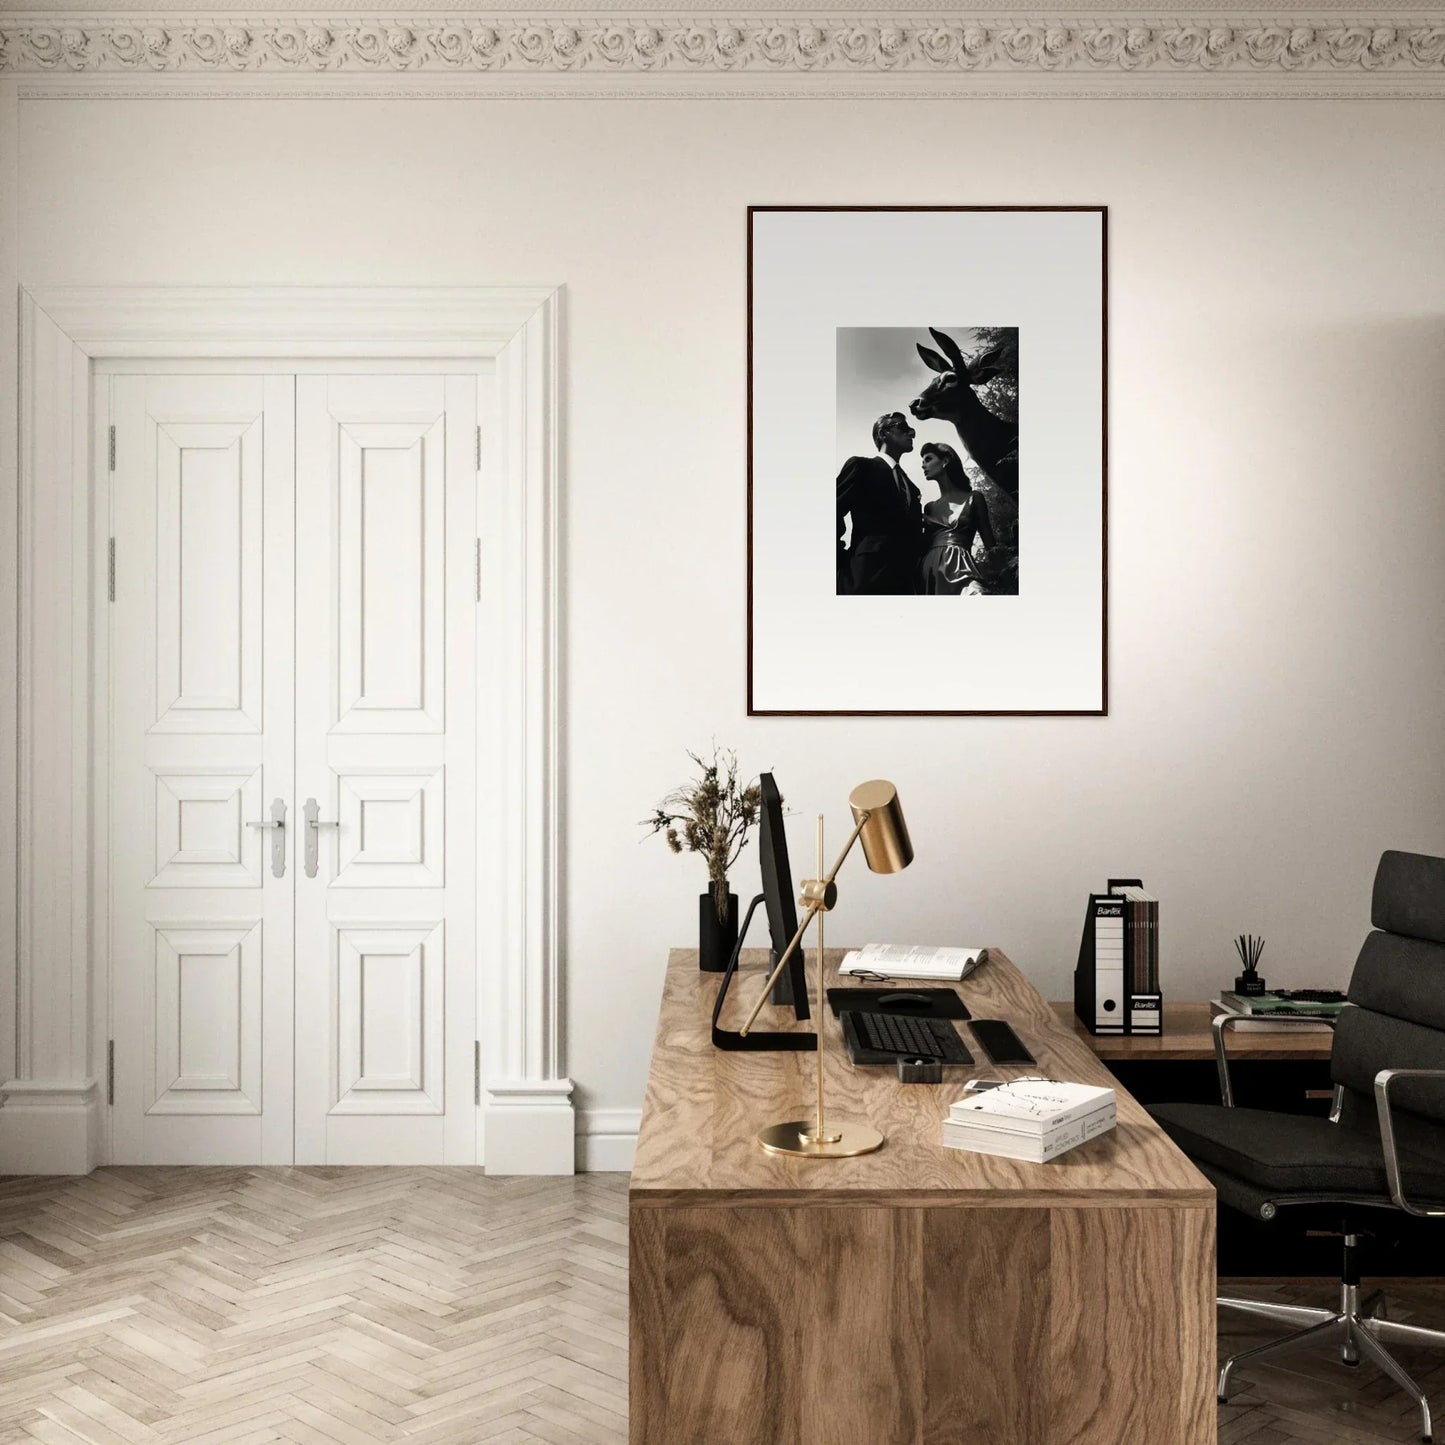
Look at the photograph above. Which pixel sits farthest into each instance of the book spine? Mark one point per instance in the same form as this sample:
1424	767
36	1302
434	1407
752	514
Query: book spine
1081	1130
1033	1148
1153	986
1131	948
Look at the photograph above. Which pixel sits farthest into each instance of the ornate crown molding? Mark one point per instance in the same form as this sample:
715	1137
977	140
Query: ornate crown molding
592	48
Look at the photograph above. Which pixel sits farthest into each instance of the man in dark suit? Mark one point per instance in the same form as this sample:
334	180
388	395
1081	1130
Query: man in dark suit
887	510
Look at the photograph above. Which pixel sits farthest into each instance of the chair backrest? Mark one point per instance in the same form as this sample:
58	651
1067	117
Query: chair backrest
1398	993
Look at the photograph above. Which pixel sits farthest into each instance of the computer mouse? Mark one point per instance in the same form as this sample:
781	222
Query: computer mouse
904	1000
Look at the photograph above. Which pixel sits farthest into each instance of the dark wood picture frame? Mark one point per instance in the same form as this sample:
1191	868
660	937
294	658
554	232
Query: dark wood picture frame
1102	709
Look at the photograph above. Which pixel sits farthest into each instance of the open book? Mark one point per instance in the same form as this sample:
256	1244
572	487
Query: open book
902	960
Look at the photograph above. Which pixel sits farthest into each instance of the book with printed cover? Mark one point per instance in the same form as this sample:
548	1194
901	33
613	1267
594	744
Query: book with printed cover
1030	1105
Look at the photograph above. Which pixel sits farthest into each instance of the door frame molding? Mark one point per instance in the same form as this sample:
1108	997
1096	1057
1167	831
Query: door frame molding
53	1117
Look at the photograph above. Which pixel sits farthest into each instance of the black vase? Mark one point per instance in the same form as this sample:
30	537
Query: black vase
716	938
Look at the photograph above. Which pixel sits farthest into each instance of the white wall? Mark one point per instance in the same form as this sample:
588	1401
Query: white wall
1276	489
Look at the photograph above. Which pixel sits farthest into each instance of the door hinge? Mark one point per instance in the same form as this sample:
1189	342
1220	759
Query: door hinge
110	1071
479	568
110	570
479	447
476	1071
112	448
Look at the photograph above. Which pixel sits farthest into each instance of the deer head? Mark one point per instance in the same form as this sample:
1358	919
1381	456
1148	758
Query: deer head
944	395
991	441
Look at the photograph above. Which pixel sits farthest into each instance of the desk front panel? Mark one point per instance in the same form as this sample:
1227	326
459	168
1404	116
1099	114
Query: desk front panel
885	1325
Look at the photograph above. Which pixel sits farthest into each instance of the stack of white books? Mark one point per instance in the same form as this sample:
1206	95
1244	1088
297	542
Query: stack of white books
1034	1119
903	960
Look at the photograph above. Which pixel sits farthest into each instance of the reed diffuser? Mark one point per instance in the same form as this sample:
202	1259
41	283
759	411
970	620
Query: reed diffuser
1249	948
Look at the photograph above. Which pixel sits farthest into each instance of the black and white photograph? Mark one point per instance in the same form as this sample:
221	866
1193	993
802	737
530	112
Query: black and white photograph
928	461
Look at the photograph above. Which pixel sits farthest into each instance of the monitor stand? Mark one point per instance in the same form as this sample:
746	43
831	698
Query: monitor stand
757	1040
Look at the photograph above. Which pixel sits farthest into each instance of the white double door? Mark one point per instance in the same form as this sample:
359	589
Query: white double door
292	861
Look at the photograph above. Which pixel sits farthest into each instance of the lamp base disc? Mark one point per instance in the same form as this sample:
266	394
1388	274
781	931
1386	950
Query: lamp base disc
853	1139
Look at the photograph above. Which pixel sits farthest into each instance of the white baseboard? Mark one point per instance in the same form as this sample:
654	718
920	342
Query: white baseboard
49	1127
607	1140
531	1127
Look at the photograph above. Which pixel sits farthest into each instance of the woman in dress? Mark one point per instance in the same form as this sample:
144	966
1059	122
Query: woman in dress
950	524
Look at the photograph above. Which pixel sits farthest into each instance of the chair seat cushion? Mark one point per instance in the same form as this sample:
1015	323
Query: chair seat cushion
1294	1153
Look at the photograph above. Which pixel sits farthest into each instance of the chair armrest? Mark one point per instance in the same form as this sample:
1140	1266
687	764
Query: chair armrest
1383	1080
1221	1025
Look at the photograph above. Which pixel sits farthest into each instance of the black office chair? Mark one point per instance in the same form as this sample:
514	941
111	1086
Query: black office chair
1381	1151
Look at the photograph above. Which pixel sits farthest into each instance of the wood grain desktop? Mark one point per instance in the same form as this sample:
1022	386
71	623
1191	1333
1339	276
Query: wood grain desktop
918	1294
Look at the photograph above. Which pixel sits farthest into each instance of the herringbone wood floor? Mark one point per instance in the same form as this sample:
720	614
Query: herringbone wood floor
324	1306
435	1306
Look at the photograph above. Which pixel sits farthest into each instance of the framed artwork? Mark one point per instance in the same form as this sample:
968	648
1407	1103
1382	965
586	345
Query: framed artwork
927	460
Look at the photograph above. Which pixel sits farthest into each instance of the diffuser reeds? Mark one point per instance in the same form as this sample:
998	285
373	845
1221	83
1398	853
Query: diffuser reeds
1249	948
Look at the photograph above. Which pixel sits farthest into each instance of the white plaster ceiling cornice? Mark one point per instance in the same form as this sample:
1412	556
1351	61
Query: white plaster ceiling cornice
919	52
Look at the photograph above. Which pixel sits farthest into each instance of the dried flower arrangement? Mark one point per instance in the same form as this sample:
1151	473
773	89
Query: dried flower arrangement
712	816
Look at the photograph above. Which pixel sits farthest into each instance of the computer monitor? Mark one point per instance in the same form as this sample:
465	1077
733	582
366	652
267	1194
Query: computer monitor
777	898
791	987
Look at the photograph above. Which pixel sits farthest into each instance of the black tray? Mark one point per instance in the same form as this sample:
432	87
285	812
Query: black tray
918	1003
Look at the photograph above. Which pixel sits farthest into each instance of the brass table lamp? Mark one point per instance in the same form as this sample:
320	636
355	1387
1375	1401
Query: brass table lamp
878	823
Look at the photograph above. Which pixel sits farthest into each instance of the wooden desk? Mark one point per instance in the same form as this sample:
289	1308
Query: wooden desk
919	1295
1187	1036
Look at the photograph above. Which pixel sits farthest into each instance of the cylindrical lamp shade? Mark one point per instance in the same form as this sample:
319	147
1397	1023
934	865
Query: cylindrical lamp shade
885	840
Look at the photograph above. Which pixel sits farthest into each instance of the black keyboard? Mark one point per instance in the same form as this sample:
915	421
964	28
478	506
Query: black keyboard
909	1038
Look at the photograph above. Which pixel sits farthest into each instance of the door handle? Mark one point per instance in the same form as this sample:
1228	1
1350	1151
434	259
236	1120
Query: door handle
314	825
277	822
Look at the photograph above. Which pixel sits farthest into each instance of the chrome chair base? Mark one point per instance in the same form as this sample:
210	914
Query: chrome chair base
1360	1327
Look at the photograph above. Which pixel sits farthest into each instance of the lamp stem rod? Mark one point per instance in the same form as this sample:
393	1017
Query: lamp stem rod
822	999
813	910
847	848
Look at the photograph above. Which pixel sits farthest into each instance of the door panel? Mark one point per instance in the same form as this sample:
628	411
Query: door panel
201	676
389	550
385	736
392	828
205	1049
201	837
208	576
390	993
